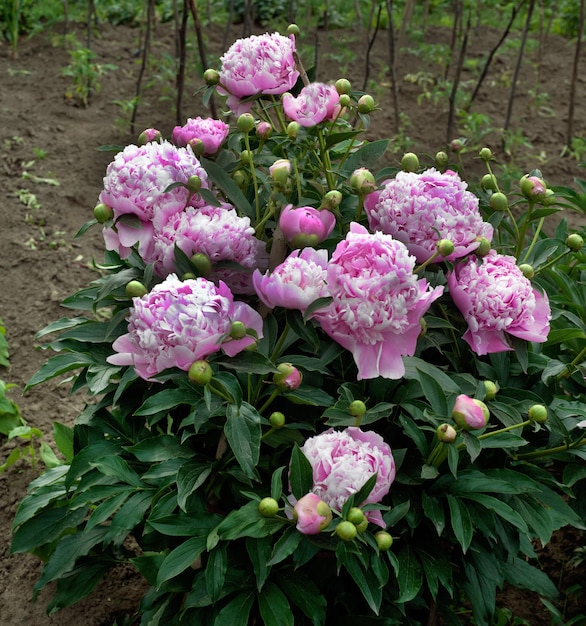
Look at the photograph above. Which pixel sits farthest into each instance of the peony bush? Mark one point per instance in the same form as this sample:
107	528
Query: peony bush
320	390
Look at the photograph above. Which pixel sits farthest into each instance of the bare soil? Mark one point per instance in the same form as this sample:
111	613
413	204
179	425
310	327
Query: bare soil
41	262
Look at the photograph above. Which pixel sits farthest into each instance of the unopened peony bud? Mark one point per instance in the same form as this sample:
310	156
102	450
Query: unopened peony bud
103	213
410	162
135	289
490	390
200	373
292	130
384	541
537	413
498	201
237	330
148	135
527	270
211	77
331	200
280	171
245	123
489	182
456	145
239	178
366	104
197	145
246	157
312	515
346	531
446	433
355	516
362	181
445	247
264	130
293	29
574	242
344	100
288	378
484	246
423	326
343	86
485	154
441	159
268	507
202	263
533	187
194	183
277	420
470	413
363	525
357	408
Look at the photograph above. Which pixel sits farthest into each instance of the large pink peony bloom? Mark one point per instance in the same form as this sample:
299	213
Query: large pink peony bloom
134	187
378	302
315	103
259	64
219	233
343	461
209	131
421	209
295	283
178	323
497	300
305	225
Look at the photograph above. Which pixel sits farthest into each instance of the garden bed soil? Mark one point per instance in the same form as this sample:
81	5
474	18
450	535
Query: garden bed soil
51	174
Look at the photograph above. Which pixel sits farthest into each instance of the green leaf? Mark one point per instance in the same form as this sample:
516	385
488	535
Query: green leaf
410	576
364	491
179	559
161	448
166	400
365	580
237	611
248	362
316	305
78	584
522	574
106	509
473	445
63	436
57	365
216	569
300	473
312	396
243	432
223	180
461	522
277	483
130	515
285	546
305	595
243	522
274	607
185	525
190	477
259	551
494	505
366	156
117	467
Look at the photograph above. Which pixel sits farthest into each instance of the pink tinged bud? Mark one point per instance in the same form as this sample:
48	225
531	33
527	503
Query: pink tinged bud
470	413
533	187
264	130
306	226
311	514
148	135
362	181
456	145
288	378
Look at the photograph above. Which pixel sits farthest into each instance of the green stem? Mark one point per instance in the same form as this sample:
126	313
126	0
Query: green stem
297	178
269	401
571	365
552	261
254	181
536	454
534	240
493	433
279	345
524	228
427	262
325	159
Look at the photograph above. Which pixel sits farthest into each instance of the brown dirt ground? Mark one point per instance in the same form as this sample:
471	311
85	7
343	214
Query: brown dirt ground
41	262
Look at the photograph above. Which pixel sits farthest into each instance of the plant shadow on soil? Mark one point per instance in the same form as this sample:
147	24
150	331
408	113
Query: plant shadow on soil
41	262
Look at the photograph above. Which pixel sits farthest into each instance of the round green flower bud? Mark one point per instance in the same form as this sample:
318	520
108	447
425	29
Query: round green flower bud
441	159
446	433
362	181
202	263
527	270
246	157
489	182
410	162
355	516
245	123
188	276
346	530
445	247
268	507
277	420
200	373
485	154
384	541
537	413
212	77
194	183
574	242
237	330
490	390
498	201
239	177
357	408
456	145
293	29
103	213
292	130
366	104
198	147
135	289
343	86
484	246
345	100
331	200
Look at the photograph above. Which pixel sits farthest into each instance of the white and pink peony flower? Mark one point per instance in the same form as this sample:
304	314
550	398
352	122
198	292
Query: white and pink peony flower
317	102
212	133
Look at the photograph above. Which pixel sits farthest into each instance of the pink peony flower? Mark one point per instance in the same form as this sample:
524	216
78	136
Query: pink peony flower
178	323
306	226
315	103
210	131
259	64
421	209
497	300
378	302
343	461
470	413
311	514
134	187
219	233
296	283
